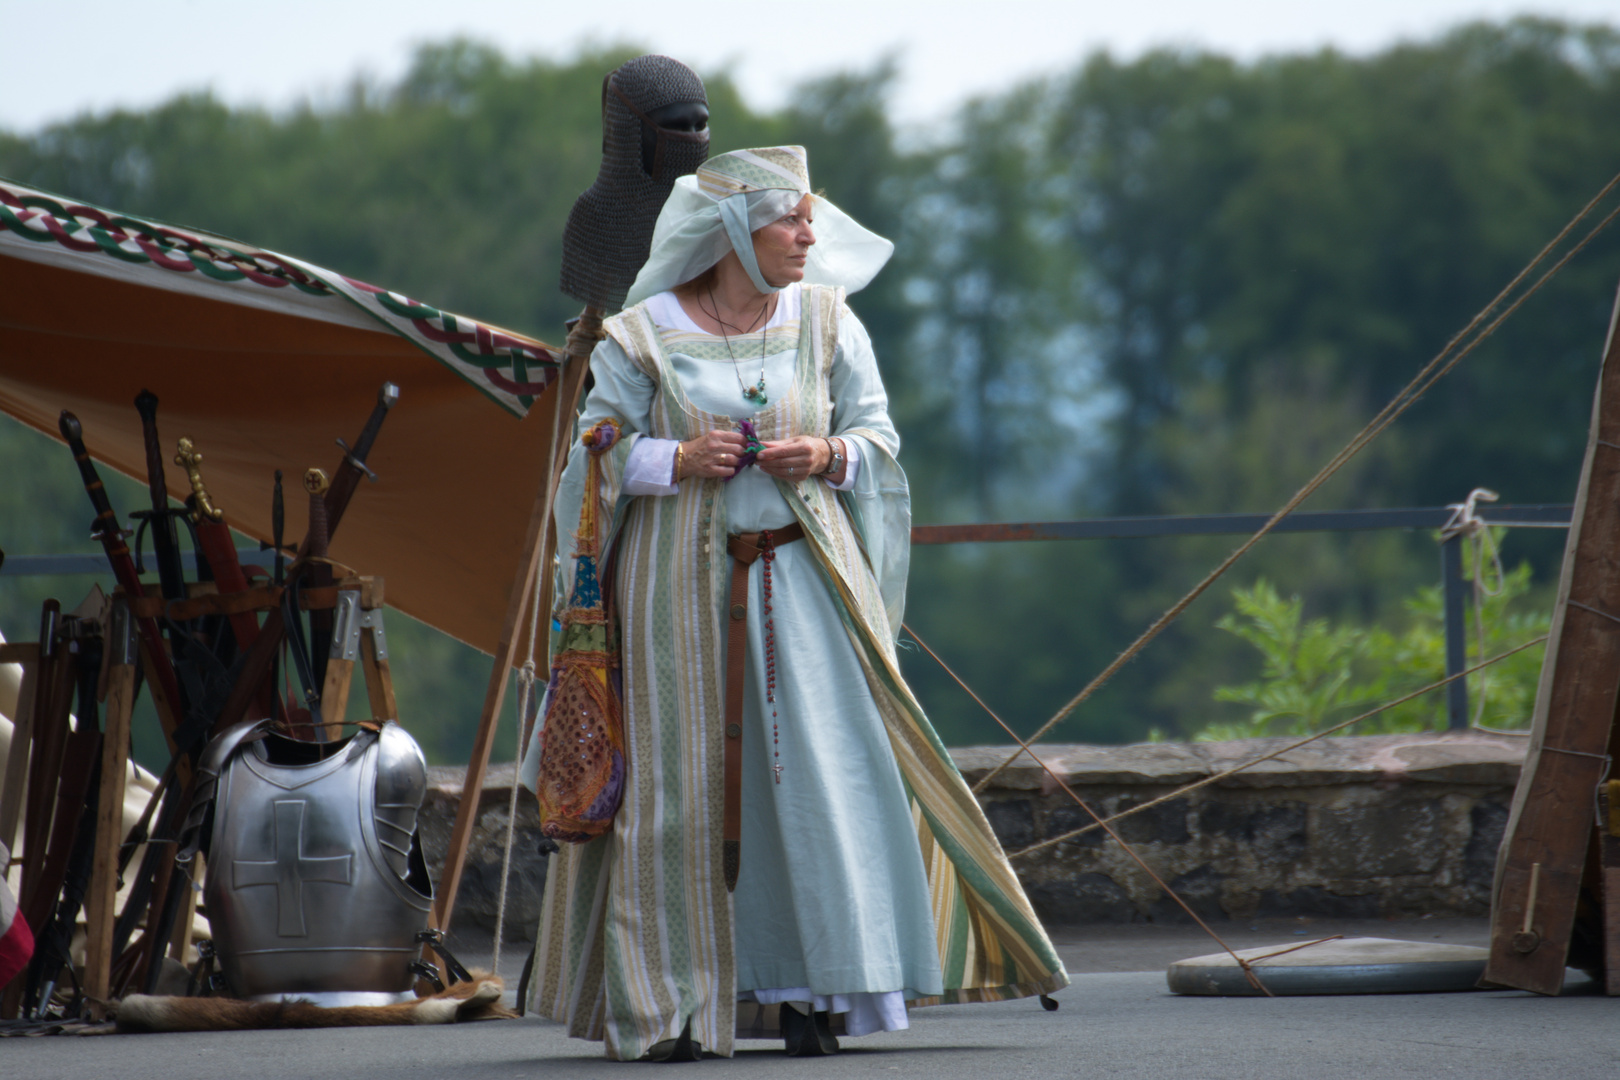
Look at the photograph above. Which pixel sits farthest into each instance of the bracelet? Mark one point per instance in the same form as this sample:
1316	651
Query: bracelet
677	479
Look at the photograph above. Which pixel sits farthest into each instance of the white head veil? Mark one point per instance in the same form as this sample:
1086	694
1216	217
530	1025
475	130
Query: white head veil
716	210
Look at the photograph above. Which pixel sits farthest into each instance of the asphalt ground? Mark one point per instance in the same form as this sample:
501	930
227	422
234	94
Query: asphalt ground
1116	1020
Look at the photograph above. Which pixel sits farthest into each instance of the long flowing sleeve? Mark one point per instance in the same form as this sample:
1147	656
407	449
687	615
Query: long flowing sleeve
880	500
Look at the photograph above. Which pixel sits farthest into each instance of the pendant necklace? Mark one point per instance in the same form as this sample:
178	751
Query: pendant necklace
755	393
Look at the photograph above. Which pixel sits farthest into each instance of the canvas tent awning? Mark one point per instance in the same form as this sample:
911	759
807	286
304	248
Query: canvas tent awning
263	361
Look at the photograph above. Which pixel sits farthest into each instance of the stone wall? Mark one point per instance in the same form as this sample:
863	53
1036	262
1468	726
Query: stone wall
481	879
1378	826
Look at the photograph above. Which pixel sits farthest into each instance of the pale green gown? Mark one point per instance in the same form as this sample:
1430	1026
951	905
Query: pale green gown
869	874
832	897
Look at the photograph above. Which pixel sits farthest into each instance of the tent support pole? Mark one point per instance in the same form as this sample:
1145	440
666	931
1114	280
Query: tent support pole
582	338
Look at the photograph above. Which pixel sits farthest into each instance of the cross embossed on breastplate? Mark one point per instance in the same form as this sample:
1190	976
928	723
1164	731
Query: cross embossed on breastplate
290	869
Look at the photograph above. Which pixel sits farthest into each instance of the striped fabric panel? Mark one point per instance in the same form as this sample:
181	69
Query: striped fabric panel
992	946
669	954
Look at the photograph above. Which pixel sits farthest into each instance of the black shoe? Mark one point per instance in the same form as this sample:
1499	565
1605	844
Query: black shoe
824	1035
681	1049
807	1036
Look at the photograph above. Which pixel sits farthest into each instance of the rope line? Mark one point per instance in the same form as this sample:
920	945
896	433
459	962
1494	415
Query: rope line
1105	824
525	680
1099	822
1217	777
1296	948
1432	372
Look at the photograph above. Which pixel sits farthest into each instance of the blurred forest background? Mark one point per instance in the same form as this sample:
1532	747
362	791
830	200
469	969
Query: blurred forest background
1174	284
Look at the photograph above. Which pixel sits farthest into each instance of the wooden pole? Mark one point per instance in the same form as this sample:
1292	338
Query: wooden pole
581	340
1550	832
123	654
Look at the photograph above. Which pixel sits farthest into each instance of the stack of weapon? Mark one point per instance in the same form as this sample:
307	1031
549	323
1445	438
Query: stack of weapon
201	650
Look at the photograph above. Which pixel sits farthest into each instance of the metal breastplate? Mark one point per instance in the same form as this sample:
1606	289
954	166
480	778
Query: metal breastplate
310	874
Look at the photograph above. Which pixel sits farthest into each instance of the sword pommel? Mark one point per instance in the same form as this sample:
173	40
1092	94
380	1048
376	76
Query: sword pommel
146	404
71	429
315	481
388	396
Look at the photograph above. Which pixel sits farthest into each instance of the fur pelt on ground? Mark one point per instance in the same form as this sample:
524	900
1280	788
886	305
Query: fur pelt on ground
479	999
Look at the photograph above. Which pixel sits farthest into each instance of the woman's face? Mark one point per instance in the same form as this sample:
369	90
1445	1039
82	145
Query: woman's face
782	246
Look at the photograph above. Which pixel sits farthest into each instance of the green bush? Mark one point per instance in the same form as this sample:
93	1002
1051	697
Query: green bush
1316	673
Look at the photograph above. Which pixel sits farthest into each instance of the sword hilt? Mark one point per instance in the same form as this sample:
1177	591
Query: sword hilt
189	458
146	404
106	524
319	535
354	458
350	458
165	539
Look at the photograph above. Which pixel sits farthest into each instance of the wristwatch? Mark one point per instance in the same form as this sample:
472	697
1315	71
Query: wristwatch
835	463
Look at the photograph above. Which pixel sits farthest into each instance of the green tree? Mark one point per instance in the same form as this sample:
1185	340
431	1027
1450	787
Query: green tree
1173	284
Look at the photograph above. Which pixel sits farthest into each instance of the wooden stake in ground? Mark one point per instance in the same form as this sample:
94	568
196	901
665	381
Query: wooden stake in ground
1553	826
536	555
122	655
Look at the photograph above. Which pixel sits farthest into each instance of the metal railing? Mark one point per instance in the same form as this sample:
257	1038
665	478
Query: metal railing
1118	528
1540	515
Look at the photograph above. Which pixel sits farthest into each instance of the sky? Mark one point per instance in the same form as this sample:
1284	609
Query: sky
98	55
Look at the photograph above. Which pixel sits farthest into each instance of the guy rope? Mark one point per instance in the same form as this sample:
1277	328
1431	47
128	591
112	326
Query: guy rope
1464	342
1447	358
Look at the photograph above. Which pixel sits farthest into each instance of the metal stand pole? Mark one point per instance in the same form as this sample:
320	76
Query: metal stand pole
1451	577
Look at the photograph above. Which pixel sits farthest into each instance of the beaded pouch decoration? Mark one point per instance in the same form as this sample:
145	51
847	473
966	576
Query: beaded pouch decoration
581	778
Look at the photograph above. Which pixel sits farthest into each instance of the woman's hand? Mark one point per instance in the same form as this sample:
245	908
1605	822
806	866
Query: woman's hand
714	453
795	458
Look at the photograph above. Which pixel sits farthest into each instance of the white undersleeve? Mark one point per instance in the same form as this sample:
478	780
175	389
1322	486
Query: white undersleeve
651	463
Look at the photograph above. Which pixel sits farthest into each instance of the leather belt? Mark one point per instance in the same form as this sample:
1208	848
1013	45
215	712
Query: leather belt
744	548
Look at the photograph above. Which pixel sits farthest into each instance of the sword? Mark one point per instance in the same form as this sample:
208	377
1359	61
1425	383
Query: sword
354	461
271	635
112	540
318	572
198	666
214	537
278	528
219	553
165	541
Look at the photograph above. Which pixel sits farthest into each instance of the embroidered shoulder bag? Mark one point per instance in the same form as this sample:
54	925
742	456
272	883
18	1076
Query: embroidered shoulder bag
581	779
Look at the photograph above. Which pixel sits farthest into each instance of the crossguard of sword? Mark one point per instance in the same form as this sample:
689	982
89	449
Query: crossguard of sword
97	530
146	517
349	456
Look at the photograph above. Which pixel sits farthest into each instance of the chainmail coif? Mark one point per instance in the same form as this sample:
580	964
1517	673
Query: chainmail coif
610	228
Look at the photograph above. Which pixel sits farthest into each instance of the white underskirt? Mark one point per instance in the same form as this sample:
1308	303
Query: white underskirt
864	1013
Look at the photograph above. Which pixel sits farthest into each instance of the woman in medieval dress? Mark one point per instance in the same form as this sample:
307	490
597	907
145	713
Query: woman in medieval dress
868	878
